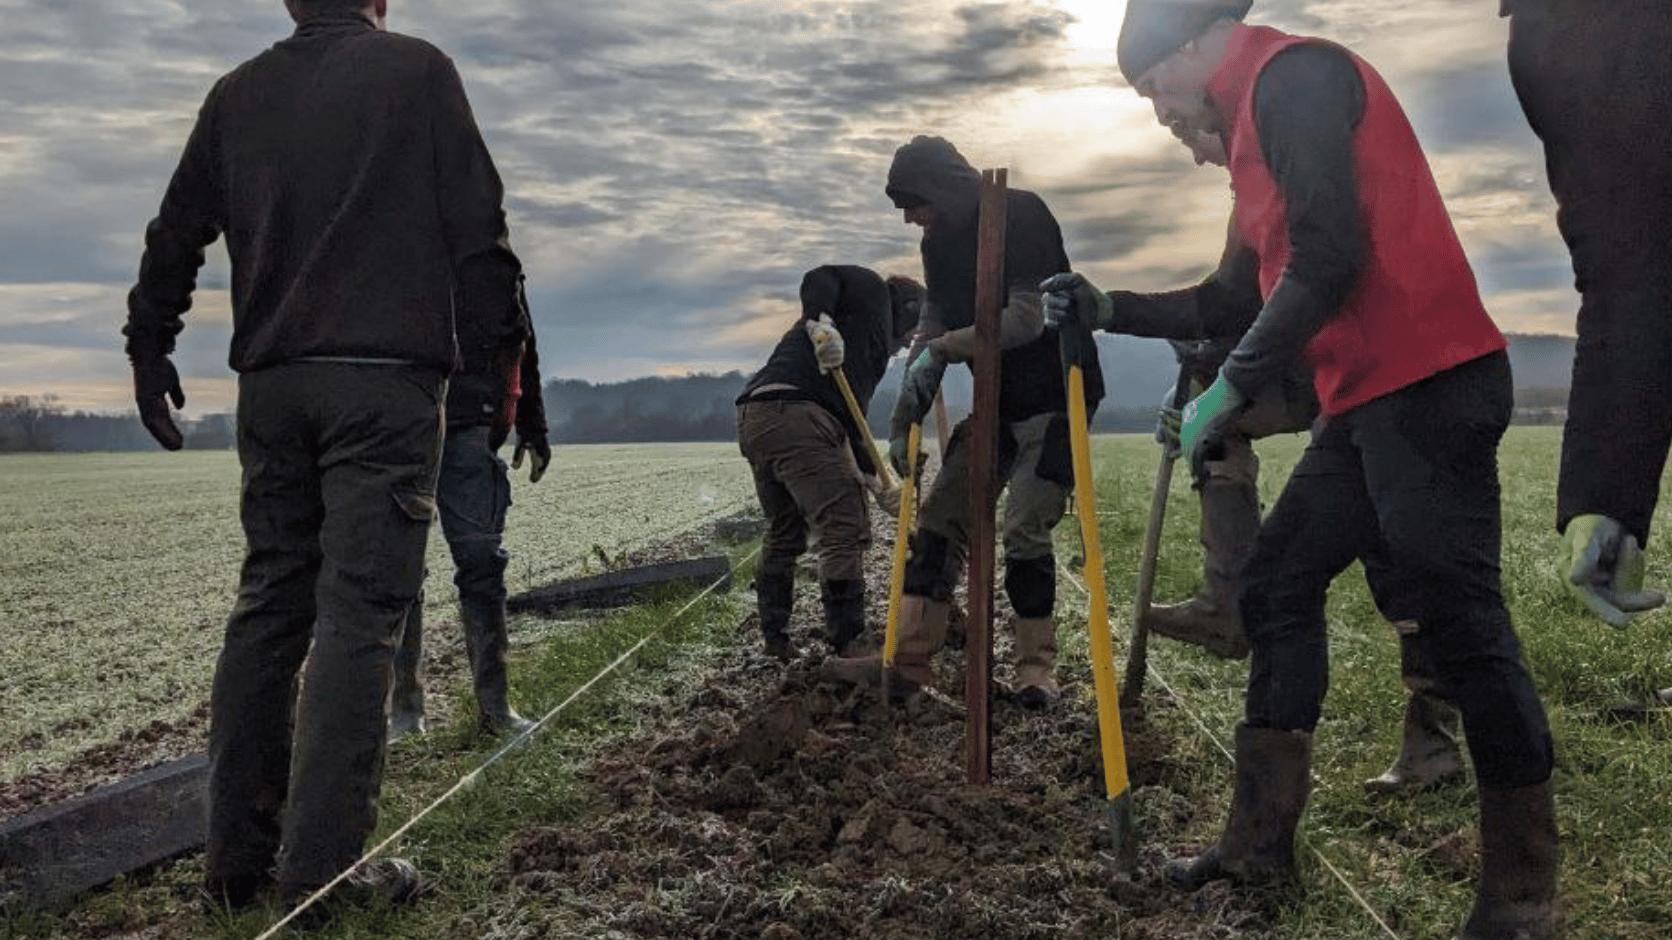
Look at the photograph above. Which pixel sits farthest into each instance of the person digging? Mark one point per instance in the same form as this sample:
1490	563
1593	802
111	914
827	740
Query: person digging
807	453
937	189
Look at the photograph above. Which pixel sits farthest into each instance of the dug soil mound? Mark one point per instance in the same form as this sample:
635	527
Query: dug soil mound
768	802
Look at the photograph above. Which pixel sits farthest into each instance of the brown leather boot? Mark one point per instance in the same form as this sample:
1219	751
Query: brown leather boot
922	632
1036	658
1516	897
1273	780
1230	521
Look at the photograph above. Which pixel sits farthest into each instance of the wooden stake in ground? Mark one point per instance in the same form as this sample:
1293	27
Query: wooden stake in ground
1113	738
984	423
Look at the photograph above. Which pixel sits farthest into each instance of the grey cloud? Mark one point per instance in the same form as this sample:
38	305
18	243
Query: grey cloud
1110	238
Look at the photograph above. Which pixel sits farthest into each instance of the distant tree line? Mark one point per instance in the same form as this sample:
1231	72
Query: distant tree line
43	423
648	410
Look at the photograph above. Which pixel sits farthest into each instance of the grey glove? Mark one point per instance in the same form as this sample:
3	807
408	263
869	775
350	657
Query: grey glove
828	347
917	392
1070	298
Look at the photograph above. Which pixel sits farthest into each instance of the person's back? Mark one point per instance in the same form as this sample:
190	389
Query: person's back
364	223
338	167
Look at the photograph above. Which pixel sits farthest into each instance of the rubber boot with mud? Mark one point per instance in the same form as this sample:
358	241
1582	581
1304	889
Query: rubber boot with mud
486	640
922	632
1429	754
844	614
1516	897
774	600
1036	660
1230	521
1273	780
406	694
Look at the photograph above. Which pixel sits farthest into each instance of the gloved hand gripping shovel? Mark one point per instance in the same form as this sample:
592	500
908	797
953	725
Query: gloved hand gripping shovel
1116	784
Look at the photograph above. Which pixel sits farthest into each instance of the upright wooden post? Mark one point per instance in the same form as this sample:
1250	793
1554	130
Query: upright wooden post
984	425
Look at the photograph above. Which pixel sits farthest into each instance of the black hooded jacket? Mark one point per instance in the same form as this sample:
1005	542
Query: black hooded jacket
931	170
858	302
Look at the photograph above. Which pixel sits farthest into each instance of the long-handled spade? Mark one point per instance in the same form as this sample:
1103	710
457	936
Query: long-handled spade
885	473
1113	741
1137	658
902	537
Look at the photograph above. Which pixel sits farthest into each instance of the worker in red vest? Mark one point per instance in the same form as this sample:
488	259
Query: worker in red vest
1361	272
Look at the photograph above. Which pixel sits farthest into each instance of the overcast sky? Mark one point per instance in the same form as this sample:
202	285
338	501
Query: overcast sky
672	167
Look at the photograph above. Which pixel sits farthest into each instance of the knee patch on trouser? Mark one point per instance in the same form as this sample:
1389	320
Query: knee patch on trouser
1031	585
928	569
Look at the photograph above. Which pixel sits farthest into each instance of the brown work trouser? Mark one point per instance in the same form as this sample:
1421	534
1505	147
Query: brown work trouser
806	480
339	465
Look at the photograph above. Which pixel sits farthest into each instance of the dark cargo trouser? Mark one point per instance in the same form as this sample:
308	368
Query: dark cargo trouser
339	472
805	479
473	495
1409	483
1595	81
1034	476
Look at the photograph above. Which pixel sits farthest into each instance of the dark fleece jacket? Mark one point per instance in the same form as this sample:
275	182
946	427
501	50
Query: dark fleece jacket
859	304
929	169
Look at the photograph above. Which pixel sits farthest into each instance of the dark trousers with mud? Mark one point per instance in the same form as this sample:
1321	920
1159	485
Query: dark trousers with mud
339	472
1595	81
808	485
1409	483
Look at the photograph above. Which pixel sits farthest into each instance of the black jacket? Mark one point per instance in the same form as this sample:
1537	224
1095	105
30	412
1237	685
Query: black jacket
361	210
858	302
1031	375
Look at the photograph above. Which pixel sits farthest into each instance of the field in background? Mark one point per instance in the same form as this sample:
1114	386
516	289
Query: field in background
117	570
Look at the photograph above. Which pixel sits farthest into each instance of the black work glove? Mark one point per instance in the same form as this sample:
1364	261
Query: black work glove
156	383
533	444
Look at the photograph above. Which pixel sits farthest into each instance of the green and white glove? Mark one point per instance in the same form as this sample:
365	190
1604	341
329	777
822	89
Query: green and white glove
1604	567
1070	298
828	347
1206	418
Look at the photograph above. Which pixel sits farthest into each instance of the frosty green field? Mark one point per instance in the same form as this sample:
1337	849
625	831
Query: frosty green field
117	571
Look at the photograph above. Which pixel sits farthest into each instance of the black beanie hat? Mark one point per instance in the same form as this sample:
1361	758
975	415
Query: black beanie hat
1155	29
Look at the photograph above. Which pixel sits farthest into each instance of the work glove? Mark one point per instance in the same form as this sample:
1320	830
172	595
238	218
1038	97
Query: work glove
1205	419
887	498
1171	414
1605	569
917	391
828	347
1070	298
156	383
532	444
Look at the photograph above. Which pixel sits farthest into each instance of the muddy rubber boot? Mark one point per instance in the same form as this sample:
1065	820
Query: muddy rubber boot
406	694
486	641
922	632
1036	659
844	614
1516	897
1273	780
1429	754
1230	521
774	600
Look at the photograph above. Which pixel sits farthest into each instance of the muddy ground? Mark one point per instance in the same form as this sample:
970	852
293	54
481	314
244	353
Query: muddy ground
770	802
765	802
